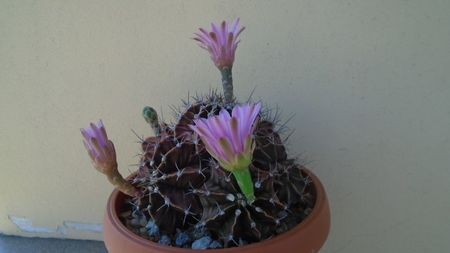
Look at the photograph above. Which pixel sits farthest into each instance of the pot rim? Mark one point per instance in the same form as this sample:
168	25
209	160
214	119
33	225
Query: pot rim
319	204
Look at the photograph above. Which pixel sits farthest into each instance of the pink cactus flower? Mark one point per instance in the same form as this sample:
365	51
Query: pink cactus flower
100	149
221	42
228	138
103	156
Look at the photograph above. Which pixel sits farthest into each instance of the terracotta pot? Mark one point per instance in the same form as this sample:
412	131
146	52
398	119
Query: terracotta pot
306	237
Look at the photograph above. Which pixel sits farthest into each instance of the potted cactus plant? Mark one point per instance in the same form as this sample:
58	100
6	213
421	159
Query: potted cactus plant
218	179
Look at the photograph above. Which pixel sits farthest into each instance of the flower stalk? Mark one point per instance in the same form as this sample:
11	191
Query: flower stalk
227	85
221	42
116	179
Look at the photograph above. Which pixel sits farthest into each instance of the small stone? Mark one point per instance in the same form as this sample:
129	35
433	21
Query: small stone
150	224
143	221
125	214
136	214
153	229
215	245
280	230
230	197
202	243
134	222
283	214
143	231
182	239
165	240
199	232
242	242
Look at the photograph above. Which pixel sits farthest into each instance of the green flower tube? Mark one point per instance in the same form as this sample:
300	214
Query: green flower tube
244	180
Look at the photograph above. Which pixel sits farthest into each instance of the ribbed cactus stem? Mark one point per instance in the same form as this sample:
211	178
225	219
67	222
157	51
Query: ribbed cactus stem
151	117
227	84
244	180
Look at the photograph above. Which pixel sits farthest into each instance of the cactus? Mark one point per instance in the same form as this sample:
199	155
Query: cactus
196	189
174	167
151	117
183	187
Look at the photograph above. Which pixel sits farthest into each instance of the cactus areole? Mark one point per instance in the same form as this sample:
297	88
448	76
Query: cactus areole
219	176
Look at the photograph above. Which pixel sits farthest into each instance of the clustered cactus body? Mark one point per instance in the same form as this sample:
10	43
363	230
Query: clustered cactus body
186	189
188	192
173	168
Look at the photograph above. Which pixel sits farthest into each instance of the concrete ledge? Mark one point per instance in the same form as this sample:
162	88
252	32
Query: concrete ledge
14	244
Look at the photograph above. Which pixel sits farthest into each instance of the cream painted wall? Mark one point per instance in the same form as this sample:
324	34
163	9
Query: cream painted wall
368	81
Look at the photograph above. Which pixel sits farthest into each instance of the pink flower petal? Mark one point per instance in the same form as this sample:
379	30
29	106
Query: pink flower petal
229	138
221	42
96	142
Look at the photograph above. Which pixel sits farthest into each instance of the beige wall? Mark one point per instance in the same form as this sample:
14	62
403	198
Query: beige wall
368	81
